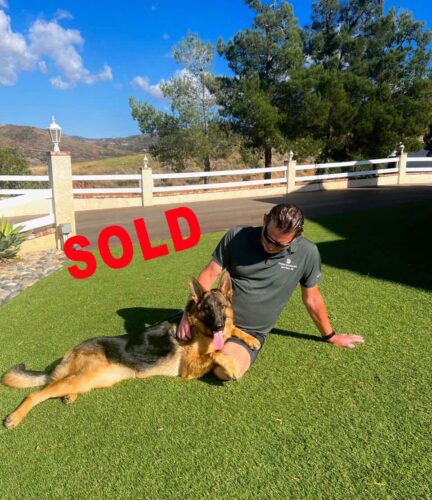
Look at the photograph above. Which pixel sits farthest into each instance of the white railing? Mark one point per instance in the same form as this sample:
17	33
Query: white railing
219	185
343	175
186	175
21	178
35	195
138	189
419	169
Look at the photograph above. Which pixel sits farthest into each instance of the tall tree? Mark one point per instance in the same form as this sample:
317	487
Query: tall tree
427	139
261	58
193	130
369	73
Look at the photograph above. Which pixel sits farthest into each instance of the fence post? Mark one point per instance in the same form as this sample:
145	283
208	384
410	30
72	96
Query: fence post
402	165
291	173
146	186
60	178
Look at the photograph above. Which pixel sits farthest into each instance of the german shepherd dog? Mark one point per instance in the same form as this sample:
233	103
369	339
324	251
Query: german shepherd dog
105	361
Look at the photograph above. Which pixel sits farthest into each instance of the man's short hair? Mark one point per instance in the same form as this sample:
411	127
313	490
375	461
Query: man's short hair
287	218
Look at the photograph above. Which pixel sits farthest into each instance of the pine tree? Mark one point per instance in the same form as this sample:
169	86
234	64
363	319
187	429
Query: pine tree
193	130
369	73
261	58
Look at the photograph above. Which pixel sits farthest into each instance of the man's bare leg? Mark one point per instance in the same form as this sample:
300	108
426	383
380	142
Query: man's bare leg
239	354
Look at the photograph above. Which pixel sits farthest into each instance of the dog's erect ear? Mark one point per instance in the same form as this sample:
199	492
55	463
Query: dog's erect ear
195	289
225	286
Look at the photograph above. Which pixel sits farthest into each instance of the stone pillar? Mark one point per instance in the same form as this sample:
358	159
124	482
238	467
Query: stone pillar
402	168
291	173
146	187
60	177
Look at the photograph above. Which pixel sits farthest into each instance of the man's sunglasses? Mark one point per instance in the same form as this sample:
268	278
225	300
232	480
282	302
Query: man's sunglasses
272	241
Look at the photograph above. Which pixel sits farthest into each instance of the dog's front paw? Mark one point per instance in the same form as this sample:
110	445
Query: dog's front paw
236	374
254	344
233	371
11	421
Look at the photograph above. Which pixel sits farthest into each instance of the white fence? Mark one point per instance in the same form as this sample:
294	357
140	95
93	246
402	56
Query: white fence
136	178
419	169
220	185
344	175
30	197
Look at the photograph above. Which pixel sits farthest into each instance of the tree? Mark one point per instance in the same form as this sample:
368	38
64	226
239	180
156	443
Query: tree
261	58
369	75
193	130
428	141
12	164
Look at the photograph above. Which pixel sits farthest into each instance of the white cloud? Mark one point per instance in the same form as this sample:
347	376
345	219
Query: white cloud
51	40
62	14
15	55
58	83
46	39
42	67
4	4
102	76
143	83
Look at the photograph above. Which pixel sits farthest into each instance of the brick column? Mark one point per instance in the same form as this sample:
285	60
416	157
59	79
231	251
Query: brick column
402	168
60	177
291	173
146	187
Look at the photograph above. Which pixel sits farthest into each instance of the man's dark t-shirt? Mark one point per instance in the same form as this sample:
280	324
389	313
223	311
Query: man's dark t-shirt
263	282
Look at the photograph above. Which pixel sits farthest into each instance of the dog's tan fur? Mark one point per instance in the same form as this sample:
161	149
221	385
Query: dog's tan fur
87	366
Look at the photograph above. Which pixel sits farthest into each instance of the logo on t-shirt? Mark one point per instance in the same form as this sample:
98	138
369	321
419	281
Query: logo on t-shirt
287	265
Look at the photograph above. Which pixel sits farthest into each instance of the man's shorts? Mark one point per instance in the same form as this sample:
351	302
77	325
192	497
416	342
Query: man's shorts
252	353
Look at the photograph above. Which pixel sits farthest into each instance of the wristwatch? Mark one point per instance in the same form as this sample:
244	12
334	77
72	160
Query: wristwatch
326	338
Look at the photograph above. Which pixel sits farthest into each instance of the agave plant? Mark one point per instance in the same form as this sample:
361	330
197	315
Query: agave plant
10	239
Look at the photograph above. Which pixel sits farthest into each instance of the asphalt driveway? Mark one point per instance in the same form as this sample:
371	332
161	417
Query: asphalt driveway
223	214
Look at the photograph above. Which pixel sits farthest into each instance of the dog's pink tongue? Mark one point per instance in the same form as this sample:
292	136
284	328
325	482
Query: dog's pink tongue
218	340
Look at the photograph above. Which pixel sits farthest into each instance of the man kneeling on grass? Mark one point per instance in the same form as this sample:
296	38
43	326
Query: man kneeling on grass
265	264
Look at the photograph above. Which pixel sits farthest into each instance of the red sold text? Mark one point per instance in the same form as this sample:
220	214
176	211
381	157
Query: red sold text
148	251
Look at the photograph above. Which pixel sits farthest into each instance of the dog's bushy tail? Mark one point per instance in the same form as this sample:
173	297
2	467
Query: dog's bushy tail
19	377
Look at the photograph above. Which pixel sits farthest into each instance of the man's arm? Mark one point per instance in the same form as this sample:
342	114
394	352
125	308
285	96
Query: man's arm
209	274
206	278
314	303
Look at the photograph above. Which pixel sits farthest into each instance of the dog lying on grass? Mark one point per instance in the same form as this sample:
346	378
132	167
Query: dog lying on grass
105	361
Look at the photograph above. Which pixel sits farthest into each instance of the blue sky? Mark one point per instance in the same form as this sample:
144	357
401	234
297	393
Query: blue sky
82	60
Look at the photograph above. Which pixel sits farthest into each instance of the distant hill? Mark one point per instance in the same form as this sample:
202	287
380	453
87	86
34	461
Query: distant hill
33	143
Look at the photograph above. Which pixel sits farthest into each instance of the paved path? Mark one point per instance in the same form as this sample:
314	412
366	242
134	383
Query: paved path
17	275
221	215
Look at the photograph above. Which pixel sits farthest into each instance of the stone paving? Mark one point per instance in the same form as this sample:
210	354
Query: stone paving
31	267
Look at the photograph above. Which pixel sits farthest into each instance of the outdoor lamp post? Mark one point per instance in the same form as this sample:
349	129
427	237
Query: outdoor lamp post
55	133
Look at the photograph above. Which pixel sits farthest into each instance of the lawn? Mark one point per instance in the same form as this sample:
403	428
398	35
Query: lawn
309	420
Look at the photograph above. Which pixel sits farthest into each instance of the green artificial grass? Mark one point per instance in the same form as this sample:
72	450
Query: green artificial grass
309	420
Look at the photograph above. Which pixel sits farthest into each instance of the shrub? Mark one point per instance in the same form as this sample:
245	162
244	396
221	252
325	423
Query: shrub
10	240
13	164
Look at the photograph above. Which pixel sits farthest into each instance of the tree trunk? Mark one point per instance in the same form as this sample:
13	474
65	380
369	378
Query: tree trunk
206	168
267	161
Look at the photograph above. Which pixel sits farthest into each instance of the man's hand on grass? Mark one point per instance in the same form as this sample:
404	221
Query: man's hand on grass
346	340
184	330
